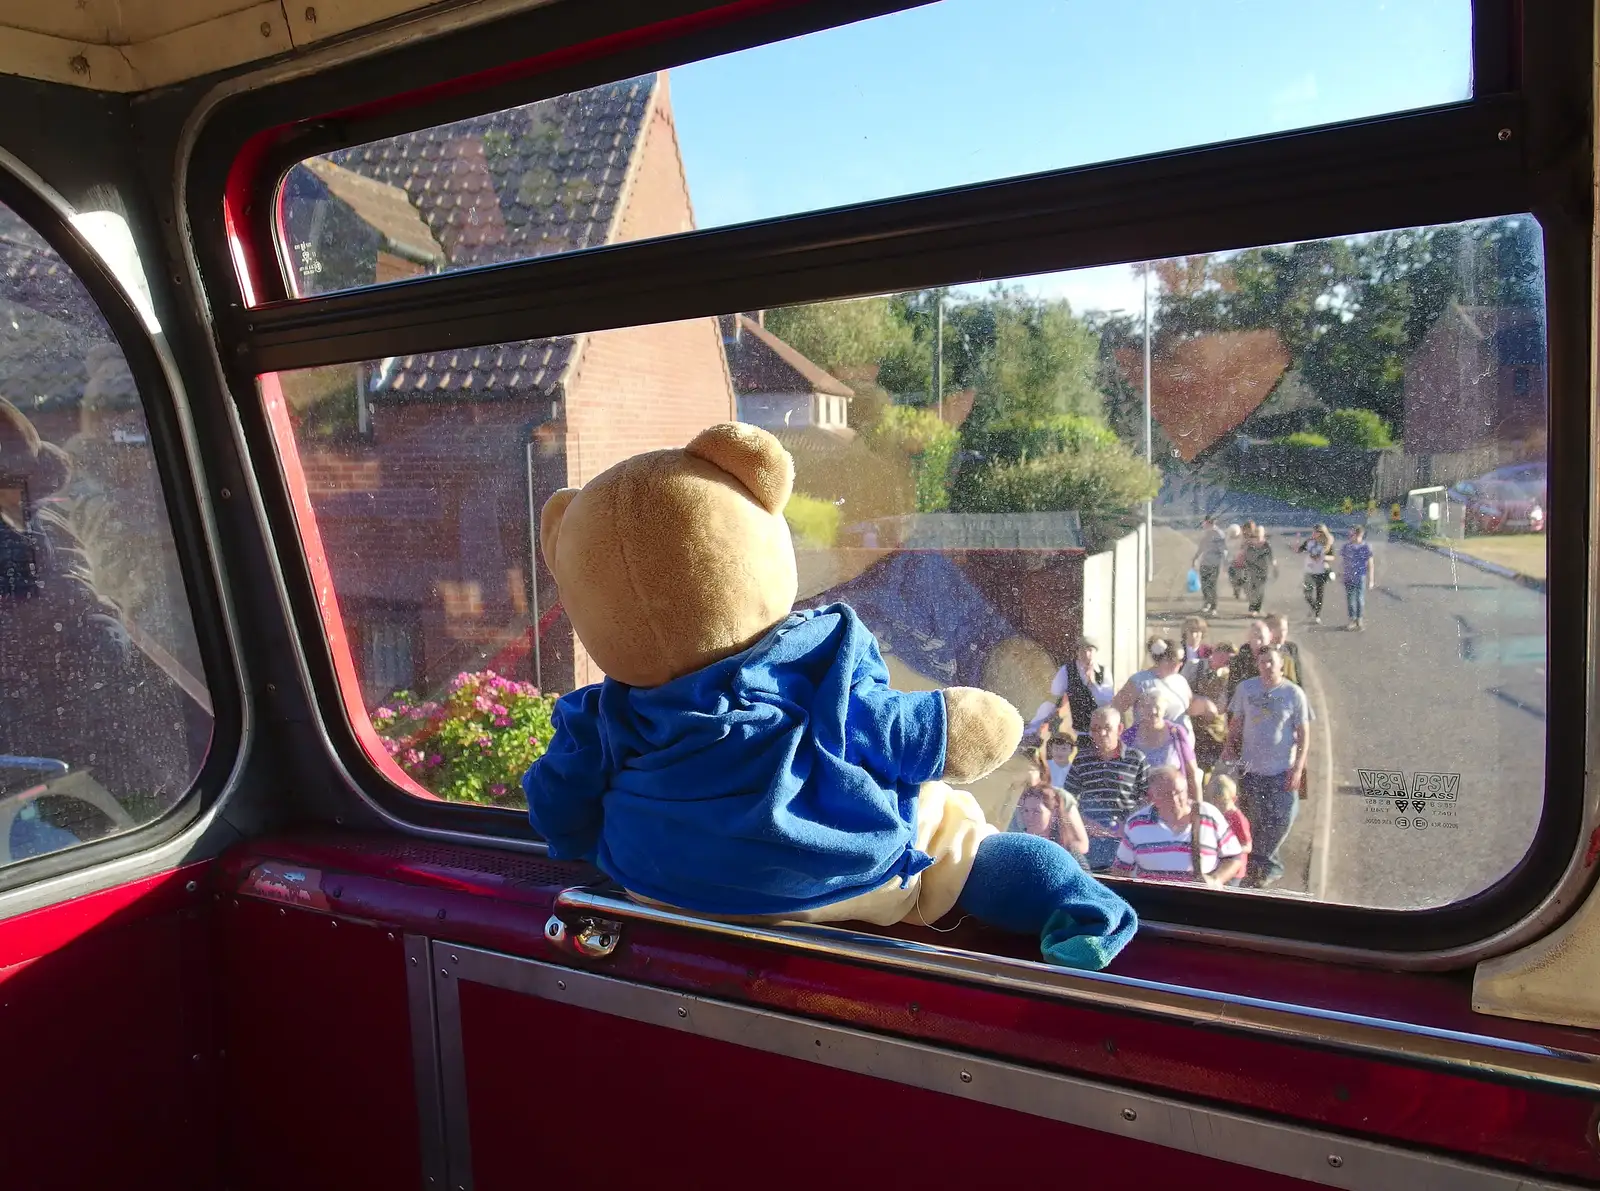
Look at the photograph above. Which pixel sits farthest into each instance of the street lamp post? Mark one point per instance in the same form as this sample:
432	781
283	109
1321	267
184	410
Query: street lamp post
1149	456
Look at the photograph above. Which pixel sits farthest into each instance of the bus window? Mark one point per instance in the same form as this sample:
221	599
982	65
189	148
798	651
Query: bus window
104	713
866	111
1300	560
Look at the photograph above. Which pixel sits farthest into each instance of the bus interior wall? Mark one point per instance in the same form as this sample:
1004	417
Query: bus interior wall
189	1022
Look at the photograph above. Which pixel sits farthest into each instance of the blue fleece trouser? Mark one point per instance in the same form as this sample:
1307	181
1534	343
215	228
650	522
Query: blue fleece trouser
1031	885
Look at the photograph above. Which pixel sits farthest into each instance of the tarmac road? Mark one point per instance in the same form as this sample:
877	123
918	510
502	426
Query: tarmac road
1448	679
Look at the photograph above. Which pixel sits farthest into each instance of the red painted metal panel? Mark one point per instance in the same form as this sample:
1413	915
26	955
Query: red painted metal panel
104	1030
622	1104
317	1080
472	896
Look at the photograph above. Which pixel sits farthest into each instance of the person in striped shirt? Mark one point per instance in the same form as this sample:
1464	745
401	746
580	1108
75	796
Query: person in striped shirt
1157	841
1108	780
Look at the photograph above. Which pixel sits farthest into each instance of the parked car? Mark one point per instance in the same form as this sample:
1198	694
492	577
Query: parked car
1534	477
1492	505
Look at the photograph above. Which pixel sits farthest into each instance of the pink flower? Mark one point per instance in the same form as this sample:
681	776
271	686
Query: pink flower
502	721
485	741
383	713
497	789
482	703
411	757
436	759
499	709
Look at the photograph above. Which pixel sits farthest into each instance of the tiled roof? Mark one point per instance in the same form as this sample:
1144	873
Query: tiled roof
760	362
387	208
48	323
529	181
527	368
541	178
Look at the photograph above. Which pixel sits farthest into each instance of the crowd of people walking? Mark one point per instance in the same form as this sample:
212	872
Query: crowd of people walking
1195	767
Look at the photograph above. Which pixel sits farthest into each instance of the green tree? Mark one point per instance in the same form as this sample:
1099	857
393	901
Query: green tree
925	442
851	339
1356	428
1101	478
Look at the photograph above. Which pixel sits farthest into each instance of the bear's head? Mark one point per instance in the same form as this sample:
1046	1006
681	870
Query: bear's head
674	559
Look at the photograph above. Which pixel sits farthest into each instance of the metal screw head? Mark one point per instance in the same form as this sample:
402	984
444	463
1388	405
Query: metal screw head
1335	1161
445	973
226	494
191	886
966	1077
455	959
390	936
441	913
282	912
1504	134
682	1012
1129	1114
266	28
413	961
562	985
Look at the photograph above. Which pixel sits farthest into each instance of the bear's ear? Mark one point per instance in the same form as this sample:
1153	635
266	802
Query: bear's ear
550	523
753	457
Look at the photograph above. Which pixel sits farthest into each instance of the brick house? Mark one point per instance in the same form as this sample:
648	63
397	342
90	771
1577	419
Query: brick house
777	388
426	472
1477	381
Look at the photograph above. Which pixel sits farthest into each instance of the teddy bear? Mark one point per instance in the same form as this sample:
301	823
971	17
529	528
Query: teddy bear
750	762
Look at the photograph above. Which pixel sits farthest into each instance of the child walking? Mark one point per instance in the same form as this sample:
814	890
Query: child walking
1223	791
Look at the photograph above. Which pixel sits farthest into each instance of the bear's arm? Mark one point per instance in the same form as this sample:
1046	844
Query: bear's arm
897	735
565	786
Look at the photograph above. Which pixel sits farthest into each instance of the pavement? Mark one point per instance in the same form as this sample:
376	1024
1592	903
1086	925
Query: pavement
1427	757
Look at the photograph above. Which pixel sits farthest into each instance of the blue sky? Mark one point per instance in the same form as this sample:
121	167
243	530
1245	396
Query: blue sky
965	90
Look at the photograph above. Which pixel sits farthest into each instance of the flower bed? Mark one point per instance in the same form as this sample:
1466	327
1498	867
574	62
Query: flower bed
475	744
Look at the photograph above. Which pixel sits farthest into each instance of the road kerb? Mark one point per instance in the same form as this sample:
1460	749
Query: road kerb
1482	564
1321	808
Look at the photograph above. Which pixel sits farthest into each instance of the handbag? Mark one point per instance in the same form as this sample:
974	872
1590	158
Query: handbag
1193	580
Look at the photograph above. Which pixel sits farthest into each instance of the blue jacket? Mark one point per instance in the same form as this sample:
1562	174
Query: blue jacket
780	779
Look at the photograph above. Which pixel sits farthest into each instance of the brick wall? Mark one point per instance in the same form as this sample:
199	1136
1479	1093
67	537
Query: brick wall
644	388
427	524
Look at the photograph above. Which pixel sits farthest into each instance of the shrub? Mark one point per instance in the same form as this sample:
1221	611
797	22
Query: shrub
1011	439
476	744
1357	428
922	438
1101	478
813	522
1304	439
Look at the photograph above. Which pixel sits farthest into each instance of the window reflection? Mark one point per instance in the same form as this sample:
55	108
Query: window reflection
1010	84
104	713
1327	652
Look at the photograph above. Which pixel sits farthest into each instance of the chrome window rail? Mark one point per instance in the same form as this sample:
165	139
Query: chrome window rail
1451	1050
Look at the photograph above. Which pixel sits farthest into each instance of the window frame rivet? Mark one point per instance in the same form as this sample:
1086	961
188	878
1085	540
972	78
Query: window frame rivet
191	886
1505	135
1130	1114
562	985
966	1077
682	1012
1335	1161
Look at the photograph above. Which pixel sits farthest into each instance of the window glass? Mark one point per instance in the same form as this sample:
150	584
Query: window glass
1362	420
104	714
941	95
